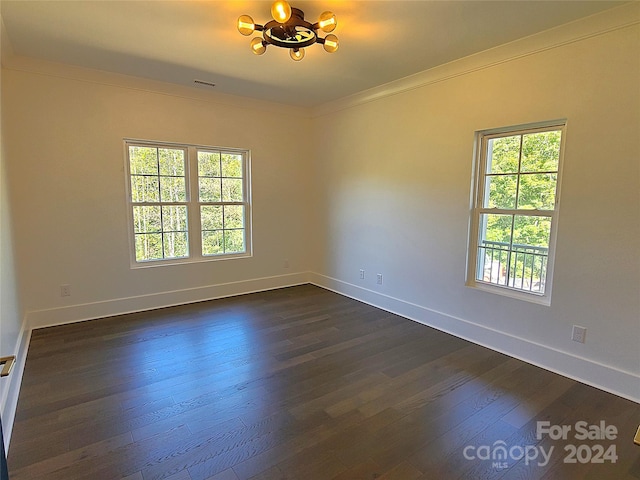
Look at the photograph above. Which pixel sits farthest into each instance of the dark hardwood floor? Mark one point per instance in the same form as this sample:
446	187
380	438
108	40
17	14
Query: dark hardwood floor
298	383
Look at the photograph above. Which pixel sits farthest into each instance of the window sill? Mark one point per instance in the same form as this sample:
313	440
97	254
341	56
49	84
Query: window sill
511	293
186	261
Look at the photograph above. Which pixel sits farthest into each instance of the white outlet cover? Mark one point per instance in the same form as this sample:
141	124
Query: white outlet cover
579	334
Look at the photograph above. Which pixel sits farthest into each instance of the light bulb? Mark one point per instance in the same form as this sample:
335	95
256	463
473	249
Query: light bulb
257	46
327	22
296	54
330	43
281	11
245	25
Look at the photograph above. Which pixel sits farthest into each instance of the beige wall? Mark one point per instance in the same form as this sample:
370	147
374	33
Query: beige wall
396	172
66	167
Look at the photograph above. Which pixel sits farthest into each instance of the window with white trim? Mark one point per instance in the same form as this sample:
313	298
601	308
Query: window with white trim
187	203
515	210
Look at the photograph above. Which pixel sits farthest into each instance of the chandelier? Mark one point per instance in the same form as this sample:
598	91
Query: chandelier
289	29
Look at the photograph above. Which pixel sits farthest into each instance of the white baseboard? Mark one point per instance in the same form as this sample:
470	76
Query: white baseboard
605	377
9	401
120	306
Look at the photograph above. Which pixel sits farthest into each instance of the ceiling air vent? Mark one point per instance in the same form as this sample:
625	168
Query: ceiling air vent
204	82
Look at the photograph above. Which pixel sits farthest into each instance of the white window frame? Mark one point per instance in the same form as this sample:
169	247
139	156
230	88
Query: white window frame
477	209
194	228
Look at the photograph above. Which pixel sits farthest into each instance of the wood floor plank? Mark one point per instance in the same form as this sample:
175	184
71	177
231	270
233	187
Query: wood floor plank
292	384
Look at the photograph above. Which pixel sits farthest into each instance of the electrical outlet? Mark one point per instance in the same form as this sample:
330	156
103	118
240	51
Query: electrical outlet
361	274
285	263
65	290
379	279
579	334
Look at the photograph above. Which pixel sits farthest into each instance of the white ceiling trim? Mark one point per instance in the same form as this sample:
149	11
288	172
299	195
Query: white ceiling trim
582	29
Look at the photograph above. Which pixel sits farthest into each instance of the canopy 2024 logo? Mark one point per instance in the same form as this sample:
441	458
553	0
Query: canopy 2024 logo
500	454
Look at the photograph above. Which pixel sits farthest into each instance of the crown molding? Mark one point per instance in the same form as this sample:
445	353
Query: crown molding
598	24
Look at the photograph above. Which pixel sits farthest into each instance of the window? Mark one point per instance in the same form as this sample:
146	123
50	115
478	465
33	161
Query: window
187	203
515	210
222	206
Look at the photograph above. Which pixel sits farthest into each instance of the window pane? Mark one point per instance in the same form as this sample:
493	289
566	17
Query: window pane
520	262
541	151
148	246
211	217
209	190
531	231
537	191
231	165
493	263
143	160
175	245
174	218
528	271
209	164
501	191
147	219
493	248
234	241
503	154
233	216
495	228
528	262
172	189
144	189
212	243
171	162
231	190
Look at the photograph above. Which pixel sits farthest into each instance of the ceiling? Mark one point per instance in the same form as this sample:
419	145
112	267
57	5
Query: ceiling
179	41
